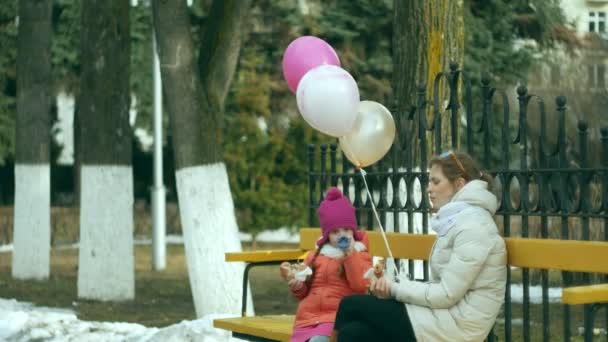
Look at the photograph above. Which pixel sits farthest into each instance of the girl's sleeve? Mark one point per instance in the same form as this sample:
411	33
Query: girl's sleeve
300	293
355	266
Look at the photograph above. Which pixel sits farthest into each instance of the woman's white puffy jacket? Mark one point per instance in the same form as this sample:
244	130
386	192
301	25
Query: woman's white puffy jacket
468	275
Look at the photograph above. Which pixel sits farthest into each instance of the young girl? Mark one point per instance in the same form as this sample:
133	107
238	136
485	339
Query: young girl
337	266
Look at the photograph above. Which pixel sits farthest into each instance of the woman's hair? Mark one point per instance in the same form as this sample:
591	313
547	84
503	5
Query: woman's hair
455	164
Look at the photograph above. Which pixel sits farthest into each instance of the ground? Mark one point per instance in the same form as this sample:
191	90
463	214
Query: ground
162	298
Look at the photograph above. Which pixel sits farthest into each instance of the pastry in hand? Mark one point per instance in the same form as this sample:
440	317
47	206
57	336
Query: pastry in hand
377	270
298	271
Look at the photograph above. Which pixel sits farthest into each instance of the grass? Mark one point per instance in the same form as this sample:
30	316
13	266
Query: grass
164	298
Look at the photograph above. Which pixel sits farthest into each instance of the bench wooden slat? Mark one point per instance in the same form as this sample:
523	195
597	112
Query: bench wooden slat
269	255
309	237
274	327
565	255
585	294
403	246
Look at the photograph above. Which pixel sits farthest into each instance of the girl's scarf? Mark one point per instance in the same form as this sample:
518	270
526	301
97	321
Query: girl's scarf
334	252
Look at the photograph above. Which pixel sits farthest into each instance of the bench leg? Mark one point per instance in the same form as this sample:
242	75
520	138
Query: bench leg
248	267
588	322
244	292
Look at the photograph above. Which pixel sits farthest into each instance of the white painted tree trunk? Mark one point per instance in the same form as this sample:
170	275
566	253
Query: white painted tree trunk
32	222
210	230
105	262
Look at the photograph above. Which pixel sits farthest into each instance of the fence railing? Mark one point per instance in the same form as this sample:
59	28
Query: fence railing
550	184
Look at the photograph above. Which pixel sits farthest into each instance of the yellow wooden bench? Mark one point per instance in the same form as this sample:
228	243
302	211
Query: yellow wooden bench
564	255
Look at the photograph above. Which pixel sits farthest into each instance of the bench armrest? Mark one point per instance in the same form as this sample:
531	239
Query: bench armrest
268	255
589	294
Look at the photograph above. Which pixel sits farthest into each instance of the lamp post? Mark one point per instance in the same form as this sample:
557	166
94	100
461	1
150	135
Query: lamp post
157	192
158	189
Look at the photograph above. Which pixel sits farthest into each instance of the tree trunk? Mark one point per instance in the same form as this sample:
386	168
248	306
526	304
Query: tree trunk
106	269
427	36
32	226
194	94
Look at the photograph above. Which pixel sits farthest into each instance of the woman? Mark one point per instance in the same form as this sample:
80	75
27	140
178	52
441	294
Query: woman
468	269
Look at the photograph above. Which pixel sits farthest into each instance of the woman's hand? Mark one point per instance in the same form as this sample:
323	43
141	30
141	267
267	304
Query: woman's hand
380	287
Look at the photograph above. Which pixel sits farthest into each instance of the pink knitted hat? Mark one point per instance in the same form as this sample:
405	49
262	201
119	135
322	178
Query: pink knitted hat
335	211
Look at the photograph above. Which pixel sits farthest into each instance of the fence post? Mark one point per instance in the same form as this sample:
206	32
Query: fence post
486	118
523	98
333	177
543	198
323	173
311	184
563	198
454	105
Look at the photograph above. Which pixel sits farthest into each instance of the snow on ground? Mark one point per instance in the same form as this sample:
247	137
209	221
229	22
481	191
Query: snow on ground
536	294
6	248
21	321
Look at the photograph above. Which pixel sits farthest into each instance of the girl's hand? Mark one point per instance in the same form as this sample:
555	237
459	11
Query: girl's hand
350	250
285	268
295	285
380	287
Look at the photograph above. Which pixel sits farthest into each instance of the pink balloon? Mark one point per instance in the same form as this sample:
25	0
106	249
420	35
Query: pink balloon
303	54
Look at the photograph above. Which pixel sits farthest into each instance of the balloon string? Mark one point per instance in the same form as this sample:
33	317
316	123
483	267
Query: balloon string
382	232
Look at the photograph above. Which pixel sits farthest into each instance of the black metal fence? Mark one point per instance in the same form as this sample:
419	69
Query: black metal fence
549	184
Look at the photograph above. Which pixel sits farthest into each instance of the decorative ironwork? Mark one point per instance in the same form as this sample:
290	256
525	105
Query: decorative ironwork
547	184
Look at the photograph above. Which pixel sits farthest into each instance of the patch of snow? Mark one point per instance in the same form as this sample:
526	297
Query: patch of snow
284	235
20	321
536	294
6	248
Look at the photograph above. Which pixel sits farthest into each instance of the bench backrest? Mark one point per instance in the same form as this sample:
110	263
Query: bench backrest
565	255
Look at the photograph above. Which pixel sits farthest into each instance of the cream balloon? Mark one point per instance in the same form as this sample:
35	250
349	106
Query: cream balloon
372	135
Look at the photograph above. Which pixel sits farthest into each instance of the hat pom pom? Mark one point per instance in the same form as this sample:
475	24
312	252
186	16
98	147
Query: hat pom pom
333	194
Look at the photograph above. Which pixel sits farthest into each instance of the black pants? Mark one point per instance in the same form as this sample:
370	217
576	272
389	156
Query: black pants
367	318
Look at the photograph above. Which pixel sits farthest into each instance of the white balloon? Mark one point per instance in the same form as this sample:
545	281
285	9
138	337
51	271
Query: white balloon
328	99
